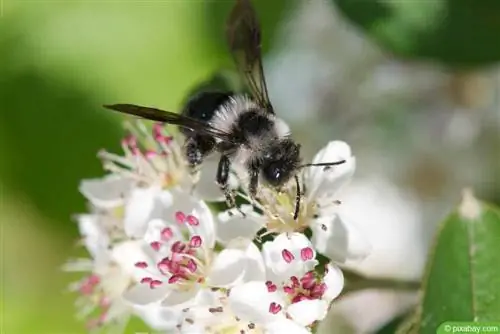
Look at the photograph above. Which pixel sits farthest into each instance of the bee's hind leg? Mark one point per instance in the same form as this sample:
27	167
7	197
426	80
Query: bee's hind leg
222	179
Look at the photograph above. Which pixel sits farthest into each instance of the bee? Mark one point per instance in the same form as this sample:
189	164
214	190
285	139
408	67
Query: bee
242	129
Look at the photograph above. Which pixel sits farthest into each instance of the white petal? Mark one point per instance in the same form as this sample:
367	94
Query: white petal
283	325
255	269
250	301
142	294
334	281
189	205
138	210
158	317
228	268
206	188
95	237
307	311
231	224
275	262
339	239
126	254
321	182
182	298
107	192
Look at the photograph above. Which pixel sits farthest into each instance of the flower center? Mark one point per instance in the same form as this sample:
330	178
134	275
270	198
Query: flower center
279	208
187	260
307	287
94	301
151	157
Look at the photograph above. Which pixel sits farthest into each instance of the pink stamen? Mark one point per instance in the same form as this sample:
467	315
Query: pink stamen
274	308
180	217
155	245
94	279
104	302
164	266
178	247
271	287
191	266
86	289
195	241
141	264
146	280
155	283
318	290
174	279
166	233
289	290
287	255
192	220
158	129
295	281
150	154
308	283
298	298
306	253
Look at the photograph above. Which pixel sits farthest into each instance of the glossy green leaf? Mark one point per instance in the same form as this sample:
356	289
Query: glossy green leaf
462	281
454	32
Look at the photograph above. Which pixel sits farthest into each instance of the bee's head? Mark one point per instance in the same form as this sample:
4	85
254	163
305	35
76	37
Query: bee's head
280	162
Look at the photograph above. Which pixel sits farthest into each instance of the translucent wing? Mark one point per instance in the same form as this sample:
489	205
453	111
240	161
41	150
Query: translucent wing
170	118
243	38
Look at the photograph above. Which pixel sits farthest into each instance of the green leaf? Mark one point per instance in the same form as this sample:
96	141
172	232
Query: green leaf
391	326
462	281
455	32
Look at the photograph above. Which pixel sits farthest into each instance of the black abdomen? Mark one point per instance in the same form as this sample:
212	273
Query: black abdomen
203	106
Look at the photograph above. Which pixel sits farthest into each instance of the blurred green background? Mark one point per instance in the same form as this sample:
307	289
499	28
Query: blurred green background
415	95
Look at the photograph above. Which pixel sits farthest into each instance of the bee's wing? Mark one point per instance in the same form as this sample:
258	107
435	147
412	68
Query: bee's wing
243	38
170	118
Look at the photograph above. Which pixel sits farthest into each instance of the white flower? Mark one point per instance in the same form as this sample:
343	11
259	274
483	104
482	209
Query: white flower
101	289
183	263
293	297
391	222
333	235
155	159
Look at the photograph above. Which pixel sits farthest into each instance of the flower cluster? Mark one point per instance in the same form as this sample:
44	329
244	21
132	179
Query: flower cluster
158	251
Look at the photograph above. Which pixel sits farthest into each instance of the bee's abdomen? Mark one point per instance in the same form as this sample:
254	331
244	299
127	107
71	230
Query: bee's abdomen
203	106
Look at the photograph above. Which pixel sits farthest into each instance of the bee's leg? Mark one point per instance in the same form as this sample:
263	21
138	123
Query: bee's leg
222	179
254	182
194	158
197	148
297	198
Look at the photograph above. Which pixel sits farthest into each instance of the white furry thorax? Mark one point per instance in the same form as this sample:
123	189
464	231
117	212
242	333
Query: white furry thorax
228	114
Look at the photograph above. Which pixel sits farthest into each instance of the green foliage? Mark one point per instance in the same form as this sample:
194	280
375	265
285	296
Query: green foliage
463	277
454	32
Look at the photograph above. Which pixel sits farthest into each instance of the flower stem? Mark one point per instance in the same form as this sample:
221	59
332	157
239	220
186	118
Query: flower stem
357	282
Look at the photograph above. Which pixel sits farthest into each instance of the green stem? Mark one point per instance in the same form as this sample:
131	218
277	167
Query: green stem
357	282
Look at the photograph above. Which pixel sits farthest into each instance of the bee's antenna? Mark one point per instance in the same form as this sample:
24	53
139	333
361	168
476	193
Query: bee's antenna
325	164
297	199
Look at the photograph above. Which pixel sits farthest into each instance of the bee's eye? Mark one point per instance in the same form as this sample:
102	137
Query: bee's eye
274	173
